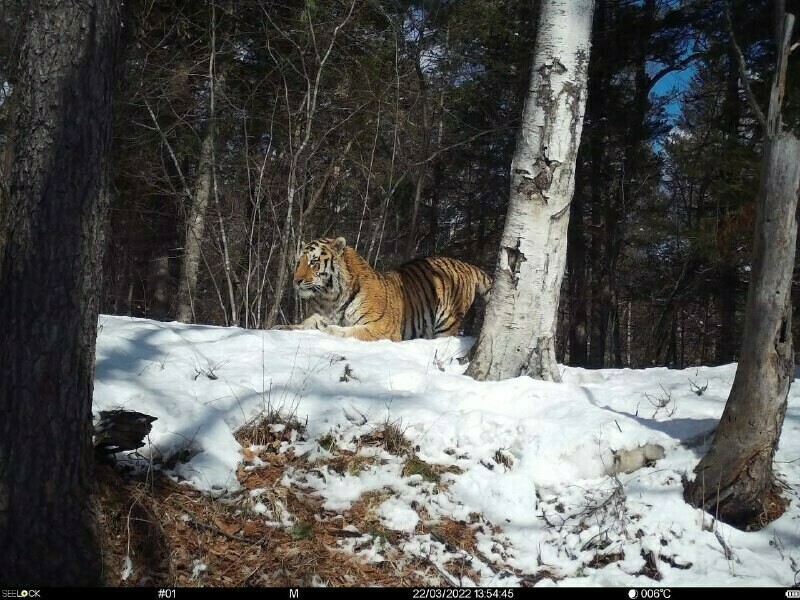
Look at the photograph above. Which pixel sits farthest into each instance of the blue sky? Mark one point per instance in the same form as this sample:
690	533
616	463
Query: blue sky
677	81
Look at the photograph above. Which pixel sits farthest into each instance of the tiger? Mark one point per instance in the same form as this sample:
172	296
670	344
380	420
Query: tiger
425	298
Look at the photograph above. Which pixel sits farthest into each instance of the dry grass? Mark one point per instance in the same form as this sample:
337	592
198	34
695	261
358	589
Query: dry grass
129	520
269	429
168	530
505	458
459	534
390	436
267	535
429	472
774	506
272	533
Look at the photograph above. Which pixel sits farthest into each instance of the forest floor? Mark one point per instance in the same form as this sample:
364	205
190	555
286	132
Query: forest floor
178	536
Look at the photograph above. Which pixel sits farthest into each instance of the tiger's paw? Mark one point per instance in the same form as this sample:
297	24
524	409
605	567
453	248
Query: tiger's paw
322	324
335	330
315	322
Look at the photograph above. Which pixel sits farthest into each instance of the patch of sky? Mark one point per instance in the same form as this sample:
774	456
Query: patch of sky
669	91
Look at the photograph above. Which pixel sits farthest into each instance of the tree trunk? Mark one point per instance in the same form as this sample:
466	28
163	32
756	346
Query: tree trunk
50	278
727	283
616	334
597	139
734	480
411	242
433	212
159	281
422	169
577	285
192	254
283	259
190	267
518	333
727	276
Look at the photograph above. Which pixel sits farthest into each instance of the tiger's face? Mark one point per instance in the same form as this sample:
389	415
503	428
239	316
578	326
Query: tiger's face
317	266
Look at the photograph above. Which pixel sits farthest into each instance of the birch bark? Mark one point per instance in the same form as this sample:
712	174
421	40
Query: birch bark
517	337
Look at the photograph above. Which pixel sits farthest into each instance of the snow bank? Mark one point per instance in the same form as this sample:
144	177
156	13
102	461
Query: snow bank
557	443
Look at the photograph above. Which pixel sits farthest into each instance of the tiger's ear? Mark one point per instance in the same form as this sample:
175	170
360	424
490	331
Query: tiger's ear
339	243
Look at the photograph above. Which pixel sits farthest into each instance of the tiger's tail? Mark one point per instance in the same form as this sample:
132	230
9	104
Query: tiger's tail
473	320
483	284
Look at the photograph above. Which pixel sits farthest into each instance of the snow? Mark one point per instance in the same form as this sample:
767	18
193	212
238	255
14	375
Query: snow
199	569
127	570
397	514
534	459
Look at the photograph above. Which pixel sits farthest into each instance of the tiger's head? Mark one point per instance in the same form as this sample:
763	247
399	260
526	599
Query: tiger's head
317	267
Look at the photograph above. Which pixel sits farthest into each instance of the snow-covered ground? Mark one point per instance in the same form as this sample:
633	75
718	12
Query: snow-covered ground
533	457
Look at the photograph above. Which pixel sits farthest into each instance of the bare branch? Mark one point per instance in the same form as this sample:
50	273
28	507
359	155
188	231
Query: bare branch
331	171
748	91
679	66
175	160
463	142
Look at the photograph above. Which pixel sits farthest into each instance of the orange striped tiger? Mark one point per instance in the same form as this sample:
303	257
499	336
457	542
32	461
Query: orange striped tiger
424	298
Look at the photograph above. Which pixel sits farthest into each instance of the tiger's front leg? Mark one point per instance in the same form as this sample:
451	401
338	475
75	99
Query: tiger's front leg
359	332
315	321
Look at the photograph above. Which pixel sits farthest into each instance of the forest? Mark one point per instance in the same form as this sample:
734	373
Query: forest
243	128
623	173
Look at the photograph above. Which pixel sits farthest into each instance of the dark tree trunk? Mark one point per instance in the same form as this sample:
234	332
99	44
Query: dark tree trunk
618	204
616	335
596	109
576	257
705	334
422	169
433	213
599	286
50	278
160	287
727	276
727	282
411	242
672	351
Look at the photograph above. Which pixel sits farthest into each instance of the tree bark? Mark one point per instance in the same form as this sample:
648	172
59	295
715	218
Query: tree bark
598	81
727	284
734	479
518	333
159	280
726	273
577	285
195	230
50	278
196	221
422	169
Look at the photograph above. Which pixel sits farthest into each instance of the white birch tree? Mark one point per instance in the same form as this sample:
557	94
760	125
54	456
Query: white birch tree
518	333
